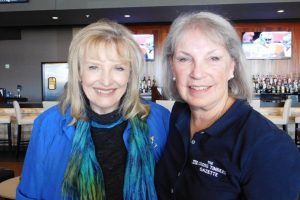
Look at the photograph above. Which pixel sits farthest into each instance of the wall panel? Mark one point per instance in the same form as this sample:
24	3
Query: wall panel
288	67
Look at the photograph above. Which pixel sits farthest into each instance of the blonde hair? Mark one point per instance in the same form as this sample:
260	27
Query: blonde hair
217	29
110	34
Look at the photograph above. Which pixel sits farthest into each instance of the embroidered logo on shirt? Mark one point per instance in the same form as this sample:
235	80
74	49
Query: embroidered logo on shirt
152	140
209	168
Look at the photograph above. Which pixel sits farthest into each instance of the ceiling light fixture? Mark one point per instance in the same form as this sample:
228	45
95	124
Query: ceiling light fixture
55	18
127	16
280	11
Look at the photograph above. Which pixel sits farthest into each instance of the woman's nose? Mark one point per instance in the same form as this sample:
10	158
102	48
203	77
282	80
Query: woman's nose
198	70
105	78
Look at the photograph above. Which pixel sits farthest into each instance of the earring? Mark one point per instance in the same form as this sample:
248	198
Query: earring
174	78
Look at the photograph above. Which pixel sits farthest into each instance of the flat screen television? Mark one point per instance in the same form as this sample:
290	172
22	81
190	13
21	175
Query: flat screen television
14	1
146	42
267	45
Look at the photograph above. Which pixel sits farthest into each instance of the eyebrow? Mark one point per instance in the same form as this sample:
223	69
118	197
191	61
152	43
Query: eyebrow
209	52
95	61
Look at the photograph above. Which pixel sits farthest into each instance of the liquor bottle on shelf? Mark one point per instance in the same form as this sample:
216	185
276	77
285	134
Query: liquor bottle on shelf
149	84
278	90
268	88
296	85
153	82
144	85
282	89
276	84
273	88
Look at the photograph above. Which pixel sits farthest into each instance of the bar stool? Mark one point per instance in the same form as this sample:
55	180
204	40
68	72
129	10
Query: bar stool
166	103
21	120
297	131
282	119
49	104
6	121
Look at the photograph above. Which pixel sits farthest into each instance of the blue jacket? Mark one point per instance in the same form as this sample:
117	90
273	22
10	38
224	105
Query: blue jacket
50	145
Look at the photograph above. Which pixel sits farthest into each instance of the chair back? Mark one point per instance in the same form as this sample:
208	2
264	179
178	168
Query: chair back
166	103
287	110
255	104
17	111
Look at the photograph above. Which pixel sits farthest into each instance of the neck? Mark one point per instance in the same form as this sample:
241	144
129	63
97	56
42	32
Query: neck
202	119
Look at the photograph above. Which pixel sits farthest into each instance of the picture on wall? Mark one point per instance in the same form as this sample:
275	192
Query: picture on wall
146	42
267	45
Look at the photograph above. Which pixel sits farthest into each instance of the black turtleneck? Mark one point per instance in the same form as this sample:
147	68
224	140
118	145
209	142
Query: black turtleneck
111	152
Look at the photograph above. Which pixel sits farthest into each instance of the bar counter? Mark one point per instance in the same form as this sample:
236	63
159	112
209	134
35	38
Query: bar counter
23	105
26	108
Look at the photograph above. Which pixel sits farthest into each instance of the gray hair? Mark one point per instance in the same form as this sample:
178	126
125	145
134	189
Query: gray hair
97	36
218	30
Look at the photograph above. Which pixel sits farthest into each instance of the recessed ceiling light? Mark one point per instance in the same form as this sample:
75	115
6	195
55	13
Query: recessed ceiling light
280	11
55	18
127	16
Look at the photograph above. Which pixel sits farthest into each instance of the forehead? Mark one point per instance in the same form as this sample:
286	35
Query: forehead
111	50
199	36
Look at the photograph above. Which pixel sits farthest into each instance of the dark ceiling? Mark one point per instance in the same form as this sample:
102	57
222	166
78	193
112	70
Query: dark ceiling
234	12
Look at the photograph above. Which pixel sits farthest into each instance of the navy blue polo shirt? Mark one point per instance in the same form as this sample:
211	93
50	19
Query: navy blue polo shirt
241	156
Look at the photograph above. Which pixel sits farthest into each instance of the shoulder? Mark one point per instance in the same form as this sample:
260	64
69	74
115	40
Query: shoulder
52	121
271	154
179	108
262	139
262	128
52	113
157	109
158	123
256	129
158	116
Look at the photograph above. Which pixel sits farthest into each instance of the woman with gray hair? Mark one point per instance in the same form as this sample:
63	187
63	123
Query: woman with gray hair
218	146
103	141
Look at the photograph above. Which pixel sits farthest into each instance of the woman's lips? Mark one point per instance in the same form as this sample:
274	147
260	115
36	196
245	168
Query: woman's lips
105	91
199	88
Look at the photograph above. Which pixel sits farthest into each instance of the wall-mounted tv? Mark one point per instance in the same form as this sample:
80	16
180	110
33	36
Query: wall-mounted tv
14	1
267	45
146	42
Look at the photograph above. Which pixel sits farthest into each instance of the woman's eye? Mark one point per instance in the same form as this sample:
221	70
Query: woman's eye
215	58
91	67
119	68
182	59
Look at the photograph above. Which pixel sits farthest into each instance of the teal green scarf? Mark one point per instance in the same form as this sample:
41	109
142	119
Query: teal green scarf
84	179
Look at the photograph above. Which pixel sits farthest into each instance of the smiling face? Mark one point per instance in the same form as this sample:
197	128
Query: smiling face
202	69
104	76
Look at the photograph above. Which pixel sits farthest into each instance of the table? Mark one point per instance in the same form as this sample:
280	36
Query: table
8	188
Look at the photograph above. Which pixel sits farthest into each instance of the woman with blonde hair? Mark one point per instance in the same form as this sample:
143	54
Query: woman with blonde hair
103	140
